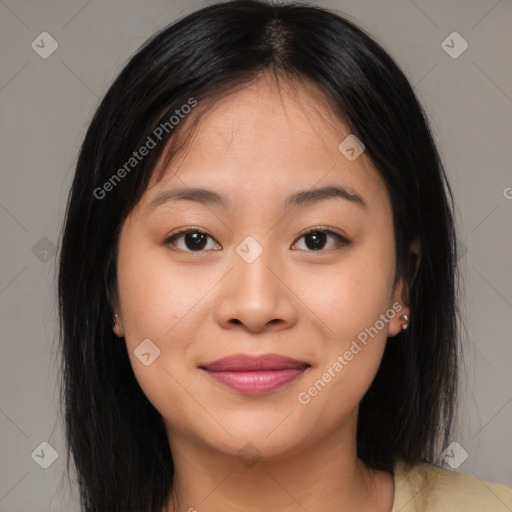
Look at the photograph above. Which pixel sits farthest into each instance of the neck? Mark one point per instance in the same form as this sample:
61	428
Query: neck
325	475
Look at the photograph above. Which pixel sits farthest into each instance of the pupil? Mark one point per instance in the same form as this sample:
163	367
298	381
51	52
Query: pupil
197	240
316	237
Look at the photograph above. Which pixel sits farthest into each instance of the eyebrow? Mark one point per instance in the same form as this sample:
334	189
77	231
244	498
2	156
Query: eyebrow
212	198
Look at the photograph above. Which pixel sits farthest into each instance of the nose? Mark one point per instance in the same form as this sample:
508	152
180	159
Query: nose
256	296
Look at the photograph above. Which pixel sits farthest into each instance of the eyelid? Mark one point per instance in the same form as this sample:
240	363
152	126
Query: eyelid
185	230
324	229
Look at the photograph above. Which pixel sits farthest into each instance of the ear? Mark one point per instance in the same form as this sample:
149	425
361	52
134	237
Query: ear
402	290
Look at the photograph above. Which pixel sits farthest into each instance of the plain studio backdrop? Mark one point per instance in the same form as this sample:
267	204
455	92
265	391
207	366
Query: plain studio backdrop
58	58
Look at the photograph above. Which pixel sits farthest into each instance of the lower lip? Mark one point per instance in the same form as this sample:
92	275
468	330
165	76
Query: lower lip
257	382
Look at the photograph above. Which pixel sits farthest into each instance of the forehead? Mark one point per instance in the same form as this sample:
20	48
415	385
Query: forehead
267	137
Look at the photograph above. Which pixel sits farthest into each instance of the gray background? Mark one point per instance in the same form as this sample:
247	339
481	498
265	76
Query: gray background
47	103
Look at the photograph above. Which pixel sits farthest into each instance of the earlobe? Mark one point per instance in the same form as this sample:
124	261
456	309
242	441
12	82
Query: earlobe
402	320
118	331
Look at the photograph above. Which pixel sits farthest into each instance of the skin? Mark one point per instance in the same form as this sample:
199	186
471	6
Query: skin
255	147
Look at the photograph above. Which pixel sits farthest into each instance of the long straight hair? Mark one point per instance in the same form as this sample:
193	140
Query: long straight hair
114	435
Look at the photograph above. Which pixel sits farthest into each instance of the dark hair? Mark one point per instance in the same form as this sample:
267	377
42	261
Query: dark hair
115	435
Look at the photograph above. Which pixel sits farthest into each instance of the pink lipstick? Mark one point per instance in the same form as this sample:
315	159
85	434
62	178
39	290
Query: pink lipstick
255	375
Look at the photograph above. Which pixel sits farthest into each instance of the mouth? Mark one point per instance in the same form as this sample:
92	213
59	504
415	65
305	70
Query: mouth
255	375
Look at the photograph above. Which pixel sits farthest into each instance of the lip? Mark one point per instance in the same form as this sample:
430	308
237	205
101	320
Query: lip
255	375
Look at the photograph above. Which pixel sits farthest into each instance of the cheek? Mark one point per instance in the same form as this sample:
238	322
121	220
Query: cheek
350	361
353	301
351	297
155	320
156	298
166	304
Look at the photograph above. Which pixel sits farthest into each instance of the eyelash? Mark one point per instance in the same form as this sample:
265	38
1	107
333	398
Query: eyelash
340	243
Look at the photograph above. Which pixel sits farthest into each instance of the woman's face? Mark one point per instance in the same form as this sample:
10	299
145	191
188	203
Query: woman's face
255	283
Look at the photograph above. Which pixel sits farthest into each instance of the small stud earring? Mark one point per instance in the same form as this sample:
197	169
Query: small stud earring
115	320
405	318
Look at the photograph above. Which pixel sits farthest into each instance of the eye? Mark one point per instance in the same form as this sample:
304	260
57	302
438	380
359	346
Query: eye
194	240
315	239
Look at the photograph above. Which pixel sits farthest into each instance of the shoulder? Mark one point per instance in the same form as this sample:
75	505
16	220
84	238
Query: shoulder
429	488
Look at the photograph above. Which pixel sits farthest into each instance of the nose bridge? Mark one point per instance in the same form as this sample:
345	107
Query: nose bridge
252	261
254	295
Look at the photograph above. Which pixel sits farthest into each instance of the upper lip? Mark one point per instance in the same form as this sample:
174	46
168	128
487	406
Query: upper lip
248	363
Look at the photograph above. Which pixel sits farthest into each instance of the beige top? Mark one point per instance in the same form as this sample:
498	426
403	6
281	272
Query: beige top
429	488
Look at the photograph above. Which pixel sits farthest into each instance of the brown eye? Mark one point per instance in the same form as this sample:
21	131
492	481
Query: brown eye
194	240
316	240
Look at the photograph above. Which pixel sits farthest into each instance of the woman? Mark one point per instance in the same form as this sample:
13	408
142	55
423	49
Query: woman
257	278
